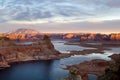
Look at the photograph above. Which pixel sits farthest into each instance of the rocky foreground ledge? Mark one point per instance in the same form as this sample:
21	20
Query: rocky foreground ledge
105	70
11	52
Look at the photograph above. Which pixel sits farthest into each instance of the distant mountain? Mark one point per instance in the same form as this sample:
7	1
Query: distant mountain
31	34
24	34
24	31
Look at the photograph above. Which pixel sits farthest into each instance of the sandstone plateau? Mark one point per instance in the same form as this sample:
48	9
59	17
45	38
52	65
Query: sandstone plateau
31	34
11	52
105	70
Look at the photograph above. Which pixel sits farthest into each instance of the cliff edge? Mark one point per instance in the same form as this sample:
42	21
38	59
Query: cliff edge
11	52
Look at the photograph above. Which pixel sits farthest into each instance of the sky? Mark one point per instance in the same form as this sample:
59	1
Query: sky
98	16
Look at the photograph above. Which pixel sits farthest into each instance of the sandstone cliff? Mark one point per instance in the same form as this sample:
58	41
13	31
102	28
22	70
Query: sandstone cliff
42	50
30	34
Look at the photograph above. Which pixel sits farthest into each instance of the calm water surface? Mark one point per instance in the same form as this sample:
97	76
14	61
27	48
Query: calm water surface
76	59
38	70
51	69
60	46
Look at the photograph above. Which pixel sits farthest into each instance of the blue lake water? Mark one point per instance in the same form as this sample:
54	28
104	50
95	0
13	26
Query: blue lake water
37	70
51	69
76	59
60	46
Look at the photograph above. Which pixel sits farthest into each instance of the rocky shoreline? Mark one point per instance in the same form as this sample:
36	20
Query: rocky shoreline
96	67
11	52
100	48
82	70
44	50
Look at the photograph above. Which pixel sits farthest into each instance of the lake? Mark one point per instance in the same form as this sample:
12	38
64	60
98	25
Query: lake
37	70
63	48
51	69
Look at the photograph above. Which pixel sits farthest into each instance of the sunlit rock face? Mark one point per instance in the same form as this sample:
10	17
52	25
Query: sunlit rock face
68	36
31	34
24	34
115	37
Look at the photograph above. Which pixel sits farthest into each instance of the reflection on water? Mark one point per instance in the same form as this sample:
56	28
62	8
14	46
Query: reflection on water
63	48
92	77
25	43
115	50
38	70
76	59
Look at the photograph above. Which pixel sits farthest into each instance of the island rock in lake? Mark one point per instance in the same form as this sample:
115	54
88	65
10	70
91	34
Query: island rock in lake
81	71
113	71
11	52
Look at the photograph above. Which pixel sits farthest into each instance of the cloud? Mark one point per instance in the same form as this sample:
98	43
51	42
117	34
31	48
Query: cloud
64	10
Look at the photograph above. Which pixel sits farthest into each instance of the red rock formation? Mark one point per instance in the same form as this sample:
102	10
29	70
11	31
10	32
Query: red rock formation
96	67
68	36
44	50
30	34
24	34
115	37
